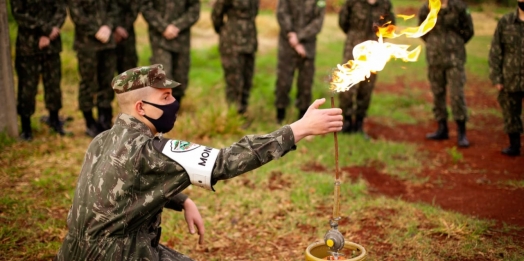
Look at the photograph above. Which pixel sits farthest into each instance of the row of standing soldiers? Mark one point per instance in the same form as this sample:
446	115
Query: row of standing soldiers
105	43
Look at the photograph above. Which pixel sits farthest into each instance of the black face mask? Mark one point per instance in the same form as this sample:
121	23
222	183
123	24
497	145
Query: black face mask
165	122
521	6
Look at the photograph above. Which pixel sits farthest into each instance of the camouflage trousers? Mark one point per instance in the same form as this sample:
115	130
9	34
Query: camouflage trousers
167	254
238	72
126	55
29	69
511	105
176	65
288	62
97	70
356	100
439	78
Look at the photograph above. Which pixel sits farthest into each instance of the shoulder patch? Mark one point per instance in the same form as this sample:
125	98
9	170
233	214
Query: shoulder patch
321	3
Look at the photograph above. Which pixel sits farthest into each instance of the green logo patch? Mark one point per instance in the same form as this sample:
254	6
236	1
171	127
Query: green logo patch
321	3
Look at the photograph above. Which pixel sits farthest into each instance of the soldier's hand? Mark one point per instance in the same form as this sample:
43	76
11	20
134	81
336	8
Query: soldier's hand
43	42
193	218
293	39
55	32
122	32
171	32
103	34
317	121
499	86
300	50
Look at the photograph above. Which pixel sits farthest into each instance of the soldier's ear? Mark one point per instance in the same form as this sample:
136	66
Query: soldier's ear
139	108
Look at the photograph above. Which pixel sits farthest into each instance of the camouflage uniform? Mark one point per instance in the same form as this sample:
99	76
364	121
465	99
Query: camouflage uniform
126	180
506	64
96	60
36	19
173	54
446	56
238	44
304	17
126	55
358	20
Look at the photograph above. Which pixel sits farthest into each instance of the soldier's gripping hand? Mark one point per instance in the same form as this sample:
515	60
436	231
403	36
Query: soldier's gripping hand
43	42
499	86
171	32
120	34
299	48
193	218
317	121
103	34
55	32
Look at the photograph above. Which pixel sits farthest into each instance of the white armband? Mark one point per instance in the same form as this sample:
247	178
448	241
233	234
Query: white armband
197	160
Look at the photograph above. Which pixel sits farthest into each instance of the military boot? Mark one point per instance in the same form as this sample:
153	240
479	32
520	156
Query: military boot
281	114
91	127
347	126
55	124
514	145
359	126
462	141
105	117
27	133
441	133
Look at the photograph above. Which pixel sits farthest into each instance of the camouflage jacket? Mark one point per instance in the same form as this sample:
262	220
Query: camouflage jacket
36	19
304	17
238	33
127	13
88	16
445	43
358	19
125	182
506	56
181	13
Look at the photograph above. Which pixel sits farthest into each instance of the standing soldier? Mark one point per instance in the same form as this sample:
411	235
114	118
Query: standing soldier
238	44
38	47
95	50
124	34
358	19
446	56
300	21
506	64
170	23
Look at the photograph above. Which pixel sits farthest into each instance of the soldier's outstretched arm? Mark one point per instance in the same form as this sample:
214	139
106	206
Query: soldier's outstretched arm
190	16
217	15
314	27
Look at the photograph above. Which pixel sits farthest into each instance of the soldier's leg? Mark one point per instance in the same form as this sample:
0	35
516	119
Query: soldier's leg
231	64
248	67
457	79
306	74
346	103
511	105
87	68
181	65
285	73
438	82
363	99
168	254
51	76
105	95
28	76
164	57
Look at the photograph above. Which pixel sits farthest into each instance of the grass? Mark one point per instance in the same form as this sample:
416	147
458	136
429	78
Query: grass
274	211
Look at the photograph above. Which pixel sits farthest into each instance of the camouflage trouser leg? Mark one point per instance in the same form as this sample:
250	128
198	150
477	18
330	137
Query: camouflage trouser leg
176	66
355	101
126	56
288	61
511	105
96	73
167	254
306	74
439	77
238	72
28	69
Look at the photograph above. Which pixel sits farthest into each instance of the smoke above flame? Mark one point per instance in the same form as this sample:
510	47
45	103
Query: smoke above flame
372	56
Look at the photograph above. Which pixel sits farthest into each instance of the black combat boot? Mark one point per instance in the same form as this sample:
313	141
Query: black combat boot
514	145
55	124
441	133
301	113
359	126
347	126
281	114
91	127
462	141
105	117
27	133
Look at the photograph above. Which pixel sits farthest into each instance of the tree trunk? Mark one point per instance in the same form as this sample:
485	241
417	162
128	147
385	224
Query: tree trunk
8	118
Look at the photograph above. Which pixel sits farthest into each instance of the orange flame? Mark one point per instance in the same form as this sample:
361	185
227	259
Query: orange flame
372	56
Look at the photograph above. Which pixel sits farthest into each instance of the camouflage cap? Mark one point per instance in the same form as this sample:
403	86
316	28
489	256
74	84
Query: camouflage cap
140	77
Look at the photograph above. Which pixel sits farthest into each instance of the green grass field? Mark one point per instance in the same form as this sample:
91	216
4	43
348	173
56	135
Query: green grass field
271	213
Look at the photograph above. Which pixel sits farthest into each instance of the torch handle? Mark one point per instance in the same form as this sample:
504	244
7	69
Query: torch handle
336	206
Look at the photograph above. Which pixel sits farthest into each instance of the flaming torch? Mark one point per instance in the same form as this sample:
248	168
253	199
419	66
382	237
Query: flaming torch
369	57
